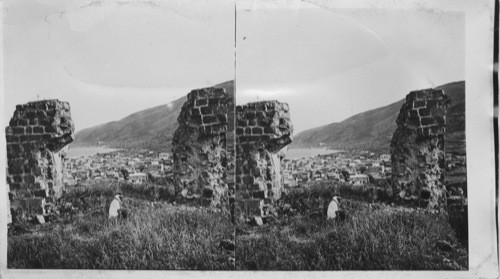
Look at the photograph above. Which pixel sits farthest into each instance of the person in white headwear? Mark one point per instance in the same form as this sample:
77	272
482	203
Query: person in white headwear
333	208
115	206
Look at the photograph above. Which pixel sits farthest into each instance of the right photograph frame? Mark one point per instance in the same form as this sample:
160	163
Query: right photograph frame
350	138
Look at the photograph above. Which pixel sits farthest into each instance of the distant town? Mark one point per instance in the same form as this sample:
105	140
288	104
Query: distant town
357	168
136	166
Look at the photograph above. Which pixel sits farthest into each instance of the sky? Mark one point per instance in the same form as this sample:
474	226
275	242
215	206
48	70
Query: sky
113	58
331	64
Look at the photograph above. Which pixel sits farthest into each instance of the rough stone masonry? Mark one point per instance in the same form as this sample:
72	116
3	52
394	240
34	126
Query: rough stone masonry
417	149
204	150
36	134
263	130
203	144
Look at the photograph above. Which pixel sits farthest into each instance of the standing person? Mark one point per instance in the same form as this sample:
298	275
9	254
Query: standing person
333	208
115	206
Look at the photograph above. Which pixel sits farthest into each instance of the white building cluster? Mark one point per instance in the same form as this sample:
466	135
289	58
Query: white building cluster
355	168
138	167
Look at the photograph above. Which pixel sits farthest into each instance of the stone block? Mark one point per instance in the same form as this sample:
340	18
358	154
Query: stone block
259	194
249	180
440	120
195	112
18	130
14	186
250	115
49	129
209	119
428	121
14	150
12	139
219	128
17	178
252	121
14	169
419	104
32	205
222	118
195	121
206	110
28	178
413	113
201	102
41	193
414	121
438	94
38	130
423	112
242	122
214	102
9	130
257	131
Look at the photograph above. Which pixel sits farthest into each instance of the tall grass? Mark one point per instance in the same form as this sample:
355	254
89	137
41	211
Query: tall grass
155	236
369	239
312	197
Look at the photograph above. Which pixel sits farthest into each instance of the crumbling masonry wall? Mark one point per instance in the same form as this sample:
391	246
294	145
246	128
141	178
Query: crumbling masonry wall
36	134
417	149
263	129
203	161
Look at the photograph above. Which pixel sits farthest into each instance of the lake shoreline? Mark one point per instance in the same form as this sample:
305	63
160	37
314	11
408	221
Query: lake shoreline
80	151
297	153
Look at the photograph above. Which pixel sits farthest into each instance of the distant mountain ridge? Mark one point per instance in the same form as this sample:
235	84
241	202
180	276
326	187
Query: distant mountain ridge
151	128
373	129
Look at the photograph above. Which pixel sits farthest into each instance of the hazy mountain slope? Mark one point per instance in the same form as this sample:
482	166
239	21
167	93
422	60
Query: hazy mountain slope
152	128
455	117
373	129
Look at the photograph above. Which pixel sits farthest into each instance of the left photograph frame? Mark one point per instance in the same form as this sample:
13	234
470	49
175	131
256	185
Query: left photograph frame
118	117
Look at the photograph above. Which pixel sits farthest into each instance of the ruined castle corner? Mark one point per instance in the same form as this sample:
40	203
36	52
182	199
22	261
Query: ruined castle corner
417	149
202	144
36	135
263	130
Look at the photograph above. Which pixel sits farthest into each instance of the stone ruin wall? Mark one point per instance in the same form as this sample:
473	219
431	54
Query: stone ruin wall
263	130
36	135
203	164
417	149
218	164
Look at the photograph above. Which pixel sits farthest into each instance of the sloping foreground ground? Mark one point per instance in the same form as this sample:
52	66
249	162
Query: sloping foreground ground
156	235
373	237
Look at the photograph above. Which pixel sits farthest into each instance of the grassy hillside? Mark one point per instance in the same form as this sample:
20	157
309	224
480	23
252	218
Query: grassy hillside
373	129
151	128
157	235
373	236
